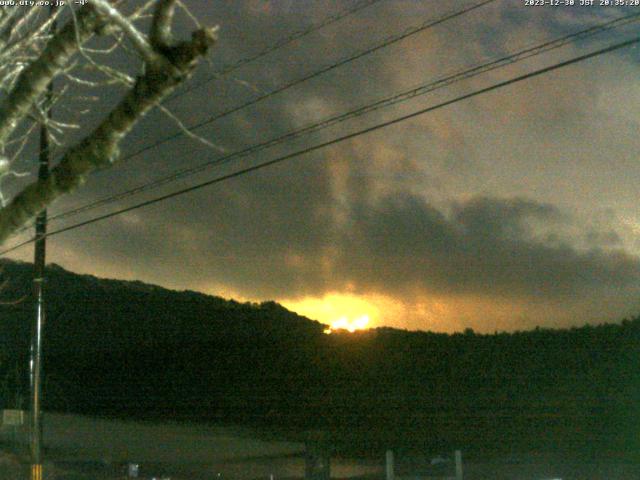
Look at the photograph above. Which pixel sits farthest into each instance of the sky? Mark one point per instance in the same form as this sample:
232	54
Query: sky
510	210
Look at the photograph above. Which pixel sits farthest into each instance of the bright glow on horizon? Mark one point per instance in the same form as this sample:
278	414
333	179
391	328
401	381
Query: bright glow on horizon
335	309
343	323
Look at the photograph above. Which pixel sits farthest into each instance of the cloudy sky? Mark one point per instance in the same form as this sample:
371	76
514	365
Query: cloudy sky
506	211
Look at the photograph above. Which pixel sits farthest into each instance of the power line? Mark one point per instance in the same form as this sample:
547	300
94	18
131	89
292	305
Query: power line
388	41
278	45
388	101
385	43
336	140
283	42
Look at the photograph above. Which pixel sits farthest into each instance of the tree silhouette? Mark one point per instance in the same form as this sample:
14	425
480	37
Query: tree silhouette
32	56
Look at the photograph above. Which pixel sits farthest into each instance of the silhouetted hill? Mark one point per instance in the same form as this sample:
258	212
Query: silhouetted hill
88	315
131	349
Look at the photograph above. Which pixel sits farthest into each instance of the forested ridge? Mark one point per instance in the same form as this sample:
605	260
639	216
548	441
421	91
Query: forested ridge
128	349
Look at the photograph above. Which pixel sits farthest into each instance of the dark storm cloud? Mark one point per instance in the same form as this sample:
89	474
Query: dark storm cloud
274	245
468	202
259	235
485	247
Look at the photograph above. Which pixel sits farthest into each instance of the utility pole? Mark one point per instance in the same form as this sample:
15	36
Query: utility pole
35	360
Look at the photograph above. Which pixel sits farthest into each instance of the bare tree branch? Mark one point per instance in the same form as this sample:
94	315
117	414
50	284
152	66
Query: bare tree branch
173	65
186	131
33	80
160	35
138	40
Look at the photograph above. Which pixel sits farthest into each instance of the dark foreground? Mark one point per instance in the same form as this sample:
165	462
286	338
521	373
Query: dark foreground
527	467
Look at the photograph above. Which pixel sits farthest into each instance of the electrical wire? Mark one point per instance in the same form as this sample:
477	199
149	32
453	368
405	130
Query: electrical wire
277	45
386	102
283	42
385	43
336	140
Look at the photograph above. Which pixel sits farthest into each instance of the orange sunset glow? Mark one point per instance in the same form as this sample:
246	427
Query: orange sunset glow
350	325
346	311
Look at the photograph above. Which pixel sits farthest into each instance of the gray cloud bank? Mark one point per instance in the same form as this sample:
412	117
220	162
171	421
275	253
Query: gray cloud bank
494	262
511	210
